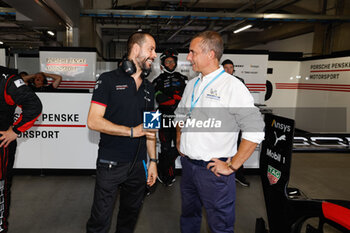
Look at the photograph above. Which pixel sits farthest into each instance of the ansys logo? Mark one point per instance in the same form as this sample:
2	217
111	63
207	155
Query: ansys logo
273	175
283	127
151	120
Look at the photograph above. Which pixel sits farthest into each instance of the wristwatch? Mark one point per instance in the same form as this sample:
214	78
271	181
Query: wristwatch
229	164
153	160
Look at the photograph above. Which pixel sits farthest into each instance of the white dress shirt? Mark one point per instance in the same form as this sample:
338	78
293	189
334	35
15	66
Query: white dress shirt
229	96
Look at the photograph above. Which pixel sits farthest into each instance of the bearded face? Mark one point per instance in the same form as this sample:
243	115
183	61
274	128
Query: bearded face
147	54
144	61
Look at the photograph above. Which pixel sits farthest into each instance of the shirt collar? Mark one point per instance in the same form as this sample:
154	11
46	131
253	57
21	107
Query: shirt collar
212	74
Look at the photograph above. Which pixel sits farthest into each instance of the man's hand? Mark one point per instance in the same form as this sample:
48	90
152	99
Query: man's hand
139	131
151	134
152	173
7	137
219	167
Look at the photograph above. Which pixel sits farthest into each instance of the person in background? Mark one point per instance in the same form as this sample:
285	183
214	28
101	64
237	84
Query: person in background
23	73
210	159
13	93
119	99
169	87
38	82
240	178
230	68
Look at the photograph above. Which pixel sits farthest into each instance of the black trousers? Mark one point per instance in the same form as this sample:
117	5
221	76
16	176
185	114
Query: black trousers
7	157
168	155
110	180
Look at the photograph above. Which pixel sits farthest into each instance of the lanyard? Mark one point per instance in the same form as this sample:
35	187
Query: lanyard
193	103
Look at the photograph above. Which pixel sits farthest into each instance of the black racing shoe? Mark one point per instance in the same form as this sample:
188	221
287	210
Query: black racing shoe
242	181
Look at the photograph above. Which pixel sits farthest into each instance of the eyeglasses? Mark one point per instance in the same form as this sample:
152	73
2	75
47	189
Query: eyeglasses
169	62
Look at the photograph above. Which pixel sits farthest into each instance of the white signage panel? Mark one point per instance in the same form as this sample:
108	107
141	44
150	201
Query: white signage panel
325	83
60	137
78	69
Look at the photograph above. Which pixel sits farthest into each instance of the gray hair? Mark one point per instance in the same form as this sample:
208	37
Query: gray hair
211	40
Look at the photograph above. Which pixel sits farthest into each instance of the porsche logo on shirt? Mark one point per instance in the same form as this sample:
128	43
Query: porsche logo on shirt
121	87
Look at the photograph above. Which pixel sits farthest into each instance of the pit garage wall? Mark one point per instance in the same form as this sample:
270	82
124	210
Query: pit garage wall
315	93
28	64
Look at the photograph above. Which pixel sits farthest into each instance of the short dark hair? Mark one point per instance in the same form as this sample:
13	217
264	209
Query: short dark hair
211	40
23	73
137	38
227	61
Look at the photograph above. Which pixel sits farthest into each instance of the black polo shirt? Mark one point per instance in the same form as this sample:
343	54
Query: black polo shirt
125	105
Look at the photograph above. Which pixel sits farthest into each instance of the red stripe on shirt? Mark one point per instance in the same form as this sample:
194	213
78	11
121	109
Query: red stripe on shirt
102	104
27	125
8	98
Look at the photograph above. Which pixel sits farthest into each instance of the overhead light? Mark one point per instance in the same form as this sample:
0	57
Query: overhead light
1	42
243	28
139	30
51	33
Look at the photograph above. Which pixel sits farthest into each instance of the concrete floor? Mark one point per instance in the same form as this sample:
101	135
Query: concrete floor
50	204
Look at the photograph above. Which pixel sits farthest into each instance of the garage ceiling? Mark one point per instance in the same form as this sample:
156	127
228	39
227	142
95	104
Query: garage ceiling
24	23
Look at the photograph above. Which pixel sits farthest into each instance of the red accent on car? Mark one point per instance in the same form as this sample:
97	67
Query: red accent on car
337	213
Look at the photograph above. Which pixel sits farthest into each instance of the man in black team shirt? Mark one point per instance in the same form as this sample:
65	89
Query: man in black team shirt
169	87
13	93
116	111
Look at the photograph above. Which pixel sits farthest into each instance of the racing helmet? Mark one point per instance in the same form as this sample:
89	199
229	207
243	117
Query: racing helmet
169	53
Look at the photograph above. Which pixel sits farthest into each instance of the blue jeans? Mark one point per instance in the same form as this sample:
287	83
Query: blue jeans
200	187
